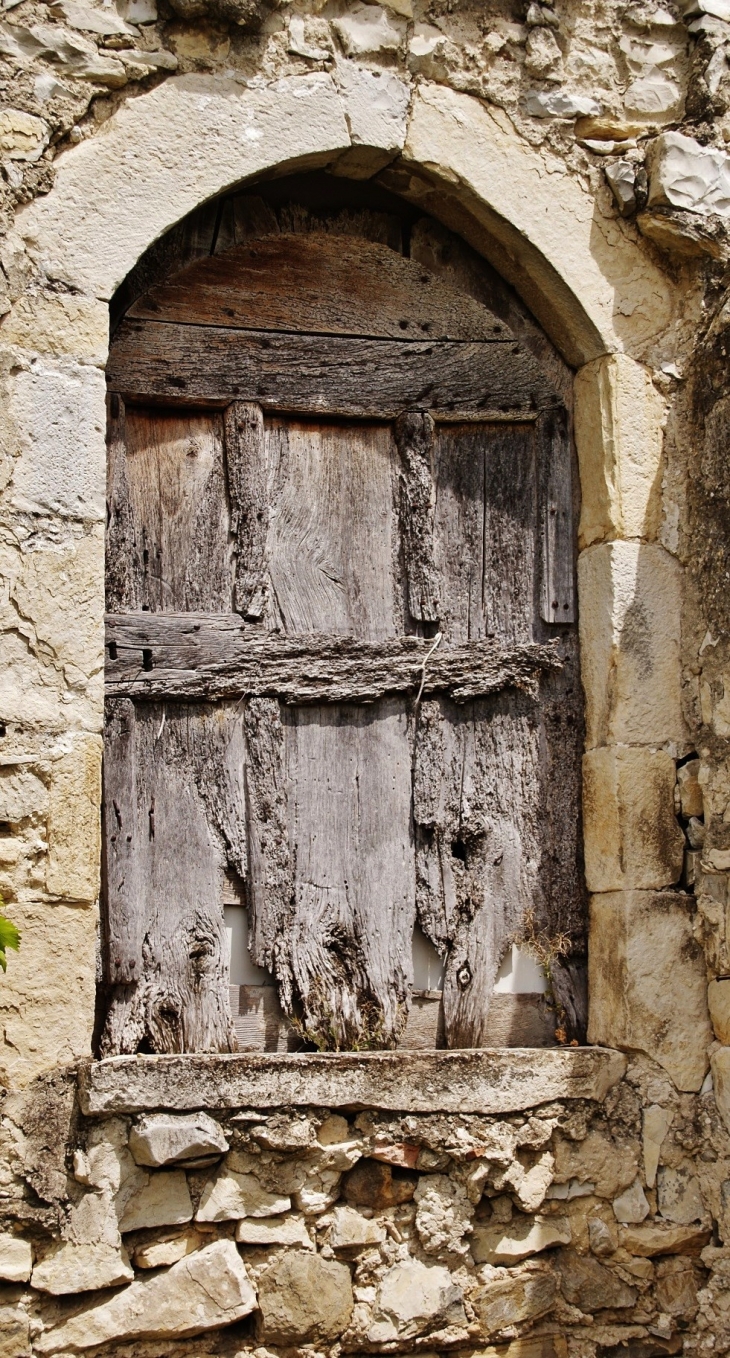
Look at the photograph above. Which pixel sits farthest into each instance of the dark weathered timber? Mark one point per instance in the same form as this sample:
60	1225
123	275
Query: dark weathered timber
414	435
557	592
173	833
205	656
121	551
322	375
269	881
124	921
319	284
247	489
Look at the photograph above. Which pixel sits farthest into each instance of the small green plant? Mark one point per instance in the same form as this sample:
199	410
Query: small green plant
9	938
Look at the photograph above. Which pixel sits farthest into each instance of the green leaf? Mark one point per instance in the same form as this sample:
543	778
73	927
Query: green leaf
9	938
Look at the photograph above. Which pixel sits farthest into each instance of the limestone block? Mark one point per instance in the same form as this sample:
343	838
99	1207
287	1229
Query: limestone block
317	1194
561	104
59	325
602	1238
718	999
647	982
166	1251
444	1214
39	1027
70	1268
517	1296
289	1230
632	837
657	1121
596	1160
533	1185
690	790
16	1259
204	1291
679	1196
230	1196
164	153
22	135
629	596
720	1064
619	418
375	104
676	1289
304	1299
350	1230
164	1201
367	30
74	822
653	96
684	174
656	1237
591	1286
521	1238
58	414
166	1139
631	1207
414	1298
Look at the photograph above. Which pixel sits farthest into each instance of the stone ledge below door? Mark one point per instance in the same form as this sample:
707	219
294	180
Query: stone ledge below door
486	1081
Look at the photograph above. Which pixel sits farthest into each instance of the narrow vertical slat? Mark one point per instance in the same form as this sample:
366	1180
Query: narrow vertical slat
124	893
269	878
121	545
247	487
414	434
557	594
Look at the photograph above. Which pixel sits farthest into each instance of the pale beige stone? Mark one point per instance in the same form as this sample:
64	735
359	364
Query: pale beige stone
166	1138
657	1121
70	1268
718	999
161	155
289	1230
690	790
16	1259
647	981
413	1298
204	1291
629	594
523	1237
444	1214
631	1207
529	206
652	1238
164	1201
74	822
534	1184
598	1161
375	104
632	837
619	419
230	1196
334	1131
59	325
350	1230
22	135
304	1299
516	1296
169	1250
720	1064
367	30
57	413
679	1196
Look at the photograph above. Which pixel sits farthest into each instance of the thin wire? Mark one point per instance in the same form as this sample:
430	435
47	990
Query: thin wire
437	642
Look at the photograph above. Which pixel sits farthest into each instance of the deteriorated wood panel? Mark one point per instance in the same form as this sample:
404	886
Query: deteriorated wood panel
209	656
323	285
316	374
248	491
557	596
414	434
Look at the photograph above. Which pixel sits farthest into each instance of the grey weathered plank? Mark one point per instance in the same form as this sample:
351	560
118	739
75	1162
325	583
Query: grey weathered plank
321	284
248	491
414	435
123	920
557	593
204	656
324	374
122	563
185	806
269	882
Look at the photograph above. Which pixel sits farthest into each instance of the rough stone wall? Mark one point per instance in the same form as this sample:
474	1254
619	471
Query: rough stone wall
598	130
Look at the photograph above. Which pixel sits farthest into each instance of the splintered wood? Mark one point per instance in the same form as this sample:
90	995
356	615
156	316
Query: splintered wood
333	672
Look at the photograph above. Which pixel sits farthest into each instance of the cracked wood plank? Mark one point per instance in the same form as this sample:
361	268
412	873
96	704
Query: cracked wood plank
414	435
248	491
557	593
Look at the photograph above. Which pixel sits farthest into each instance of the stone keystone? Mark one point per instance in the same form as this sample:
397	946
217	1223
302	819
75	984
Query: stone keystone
202	1292
166	1139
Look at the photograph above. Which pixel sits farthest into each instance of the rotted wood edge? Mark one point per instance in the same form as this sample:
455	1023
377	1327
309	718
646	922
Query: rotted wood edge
414	435
156	656
488	1081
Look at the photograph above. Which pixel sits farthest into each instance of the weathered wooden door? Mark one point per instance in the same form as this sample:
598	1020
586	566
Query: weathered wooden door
341	654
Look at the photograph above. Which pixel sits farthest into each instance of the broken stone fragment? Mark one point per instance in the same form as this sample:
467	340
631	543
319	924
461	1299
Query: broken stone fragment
631	1207
561	104
686	233
621	178
352	1231
684	174
596	1160
590	1285
525	1236
230	1196
513	1297
16	1259
653	1238
657	1121
373	1184
444	1215
603	1238
679	1197
165	1139
71	1268
166	1251
414	1298
164	1201
718	999
304	1299
204	1291
289	1230
676	1289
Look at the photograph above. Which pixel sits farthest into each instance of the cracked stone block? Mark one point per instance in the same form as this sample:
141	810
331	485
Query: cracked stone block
164	1139
352	1231
632	837
304	1299
591	1286
523	1237
230	1196
679	1196
512	1298
290	1230
414	1298
69	1268
632	1206
653	1238
16	1259
686	175
163	1201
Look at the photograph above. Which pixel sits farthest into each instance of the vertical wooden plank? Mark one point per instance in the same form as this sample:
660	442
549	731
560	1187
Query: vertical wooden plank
123	917
269	879
122	565
248	490
414	435
557	593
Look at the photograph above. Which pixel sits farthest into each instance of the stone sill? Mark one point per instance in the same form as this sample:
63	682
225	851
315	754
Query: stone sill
507	1080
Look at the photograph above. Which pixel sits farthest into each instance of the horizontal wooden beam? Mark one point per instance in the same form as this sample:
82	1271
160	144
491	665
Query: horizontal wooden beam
212	656
325	374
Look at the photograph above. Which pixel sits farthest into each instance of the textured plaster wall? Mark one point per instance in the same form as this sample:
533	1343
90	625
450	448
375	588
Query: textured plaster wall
581	148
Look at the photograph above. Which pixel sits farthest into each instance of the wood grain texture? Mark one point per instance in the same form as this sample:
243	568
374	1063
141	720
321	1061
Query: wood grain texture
557	592
183	773
269	888
324	374
319	284
248	491
414	435
209	656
